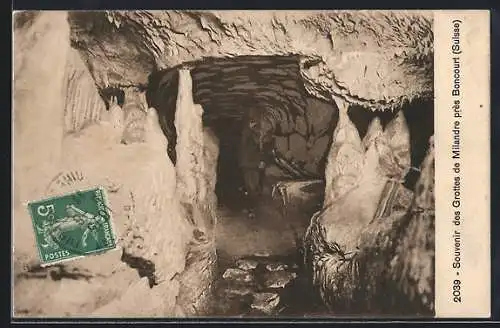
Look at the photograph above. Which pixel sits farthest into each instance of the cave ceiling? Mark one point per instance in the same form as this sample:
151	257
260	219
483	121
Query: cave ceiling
373	62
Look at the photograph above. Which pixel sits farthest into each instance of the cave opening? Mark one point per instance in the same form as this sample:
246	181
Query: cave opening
255	107
269	131
259	110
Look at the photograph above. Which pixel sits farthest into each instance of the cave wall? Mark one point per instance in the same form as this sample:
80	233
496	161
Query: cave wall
38	98
39	94
320	119
225	86
64	139
370	249
83	103
393	50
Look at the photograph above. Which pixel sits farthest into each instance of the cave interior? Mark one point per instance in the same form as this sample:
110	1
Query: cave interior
241	95
270	130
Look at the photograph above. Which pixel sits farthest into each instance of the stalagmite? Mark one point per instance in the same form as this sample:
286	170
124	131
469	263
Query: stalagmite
345	159
135	111
396	154
346	225
189	126
113	122
351	212
140	181
374	132
154	136
197	153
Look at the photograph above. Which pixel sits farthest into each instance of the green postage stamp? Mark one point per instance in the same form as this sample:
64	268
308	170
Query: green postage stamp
72	225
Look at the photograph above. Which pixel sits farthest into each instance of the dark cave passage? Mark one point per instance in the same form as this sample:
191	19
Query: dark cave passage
267	95
230	179
267	92
269	131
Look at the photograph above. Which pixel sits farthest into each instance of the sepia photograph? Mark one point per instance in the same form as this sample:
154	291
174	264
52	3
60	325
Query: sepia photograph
224	164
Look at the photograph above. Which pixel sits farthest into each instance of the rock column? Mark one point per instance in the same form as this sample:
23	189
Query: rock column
197	152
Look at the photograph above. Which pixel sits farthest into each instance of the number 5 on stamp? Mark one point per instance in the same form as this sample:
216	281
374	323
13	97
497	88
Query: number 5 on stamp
73	225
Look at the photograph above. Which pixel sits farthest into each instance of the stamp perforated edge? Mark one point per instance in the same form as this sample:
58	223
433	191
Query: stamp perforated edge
113	233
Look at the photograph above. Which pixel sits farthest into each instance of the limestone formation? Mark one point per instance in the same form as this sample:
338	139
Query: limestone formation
345	158
135	110
183	71
374	132
412	266
394	49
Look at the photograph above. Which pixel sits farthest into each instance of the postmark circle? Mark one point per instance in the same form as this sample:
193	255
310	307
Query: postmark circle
81	226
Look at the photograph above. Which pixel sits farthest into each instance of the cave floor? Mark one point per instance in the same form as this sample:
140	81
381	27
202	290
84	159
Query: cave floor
269	232
260	268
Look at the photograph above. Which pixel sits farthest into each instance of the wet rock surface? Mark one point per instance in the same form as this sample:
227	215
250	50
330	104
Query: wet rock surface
276	288
278	279
265	302
276	267
237	275
247	264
